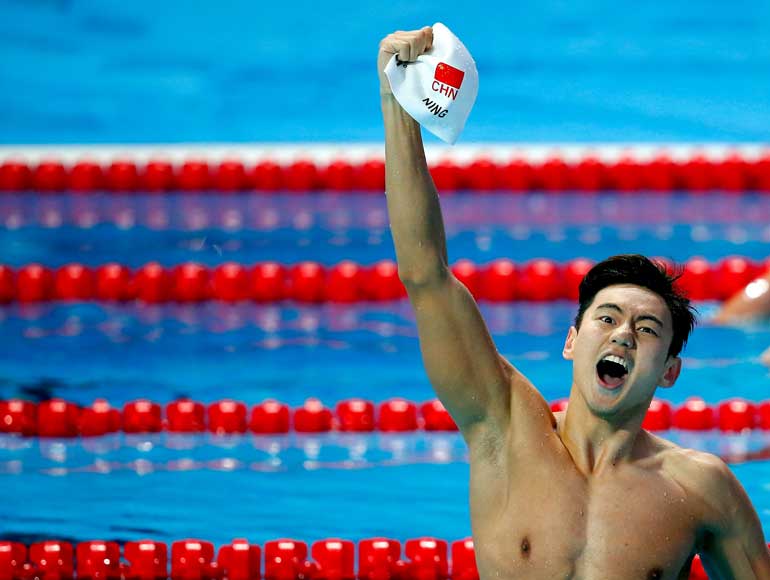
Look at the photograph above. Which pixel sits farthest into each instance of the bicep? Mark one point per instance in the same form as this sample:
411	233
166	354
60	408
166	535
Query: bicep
470	377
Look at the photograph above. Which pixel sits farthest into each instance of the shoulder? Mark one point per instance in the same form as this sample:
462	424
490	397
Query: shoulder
696	471
704	472
733	541
707	480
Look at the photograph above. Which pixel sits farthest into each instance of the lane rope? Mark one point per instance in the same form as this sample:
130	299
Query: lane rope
283	559
502	280
340	168
61	418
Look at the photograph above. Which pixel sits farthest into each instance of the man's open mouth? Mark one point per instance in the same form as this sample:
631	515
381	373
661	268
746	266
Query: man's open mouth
612	371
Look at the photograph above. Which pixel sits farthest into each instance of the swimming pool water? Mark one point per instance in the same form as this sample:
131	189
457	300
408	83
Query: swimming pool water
167	487
552	71
212	228
303	487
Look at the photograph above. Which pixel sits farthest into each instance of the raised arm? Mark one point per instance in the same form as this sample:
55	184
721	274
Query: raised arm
734	546
473	381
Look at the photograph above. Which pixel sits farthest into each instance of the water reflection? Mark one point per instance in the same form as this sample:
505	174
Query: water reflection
335	212
211	228
332	451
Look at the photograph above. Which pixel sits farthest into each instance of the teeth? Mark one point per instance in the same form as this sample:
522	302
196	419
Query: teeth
617	359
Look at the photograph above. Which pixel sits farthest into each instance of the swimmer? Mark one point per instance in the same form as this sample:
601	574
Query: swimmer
751	303
587	493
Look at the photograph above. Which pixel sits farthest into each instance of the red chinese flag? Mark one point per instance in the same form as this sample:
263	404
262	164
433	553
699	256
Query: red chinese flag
449	75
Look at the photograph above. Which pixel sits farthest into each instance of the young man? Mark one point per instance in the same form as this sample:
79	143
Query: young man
587	494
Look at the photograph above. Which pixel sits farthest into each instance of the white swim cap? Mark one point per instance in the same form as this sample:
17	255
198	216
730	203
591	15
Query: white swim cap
438	89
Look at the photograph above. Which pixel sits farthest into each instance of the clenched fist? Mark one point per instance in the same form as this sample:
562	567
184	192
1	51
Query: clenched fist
406	45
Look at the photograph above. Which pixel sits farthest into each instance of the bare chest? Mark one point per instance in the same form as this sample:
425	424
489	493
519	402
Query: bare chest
547	521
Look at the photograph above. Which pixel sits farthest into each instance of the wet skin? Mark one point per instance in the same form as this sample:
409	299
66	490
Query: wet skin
535	515
587	494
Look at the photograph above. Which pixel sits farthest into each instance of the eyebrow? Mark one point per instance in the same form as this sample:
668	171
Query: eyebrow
611	306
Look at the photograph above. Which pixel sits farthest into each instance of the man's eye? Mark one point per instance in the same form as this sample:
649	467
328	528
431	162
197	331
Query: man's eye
607	319
648	330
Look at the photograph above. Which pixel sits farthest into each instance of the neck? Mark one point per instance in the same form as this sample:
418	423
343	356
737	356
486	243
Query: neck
598	442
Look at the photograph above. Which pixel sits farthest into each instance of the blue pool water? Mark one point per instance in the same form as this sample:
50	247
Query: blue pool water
144	71
328	228
166	487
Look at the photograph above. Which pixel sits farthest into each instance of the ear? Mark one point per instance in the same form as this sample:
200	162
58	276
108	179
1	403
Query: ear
673	368
569	344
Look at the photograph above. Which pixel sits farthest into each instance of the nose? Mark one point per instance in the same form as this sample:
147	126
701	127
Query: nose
623	337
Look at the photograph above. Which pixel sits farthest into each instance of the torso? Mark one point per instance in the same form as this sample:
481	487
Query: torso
535	515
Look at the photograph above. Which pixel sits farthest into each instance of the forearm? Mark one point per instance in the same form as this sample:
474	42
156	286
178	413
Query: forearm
413	206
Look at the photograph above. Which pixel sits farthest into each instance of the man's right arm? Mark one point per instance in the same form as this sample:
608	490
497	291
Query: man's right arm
473	381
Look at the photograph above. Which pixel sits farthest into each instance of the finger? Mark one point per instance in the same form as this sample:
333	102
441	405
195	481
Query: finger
391	44
406	51
398	47
385	45
428	32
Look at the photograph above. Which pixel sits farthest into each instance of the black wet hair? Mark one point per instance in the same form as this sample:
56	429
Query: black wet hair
641	271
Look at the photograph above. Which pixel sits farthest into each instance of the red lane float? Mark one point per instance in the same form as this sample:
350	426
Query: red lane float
15	176
59	418
122	176
501	280
158	176
99	419
98	560
34	283
436	417
146	559
85	177
240	560
284	559
313	417
113	283
74	282
230	176
17	416
588	173
152	284
7	284
737	415
355	415
52	559
573	274
192	560
397	415
227	417
658	417
699	279
142	416
185	416
270	417
694	415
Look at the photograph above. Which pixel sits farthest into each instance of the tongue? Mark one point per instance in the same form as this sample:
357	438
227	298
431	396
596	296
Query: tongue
611	382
